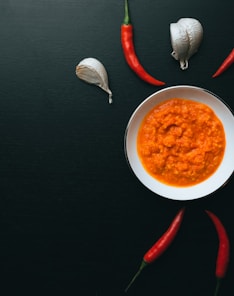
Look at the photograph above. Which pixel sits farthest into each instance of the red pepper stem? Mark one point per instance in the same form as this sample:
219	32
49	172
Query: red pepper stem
217	286
142	266
126	16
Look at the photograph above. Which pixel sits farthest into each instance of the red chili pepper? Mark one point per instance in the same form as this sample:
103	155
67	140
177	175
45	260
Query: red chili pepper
161	245
129	51
226	64
223	250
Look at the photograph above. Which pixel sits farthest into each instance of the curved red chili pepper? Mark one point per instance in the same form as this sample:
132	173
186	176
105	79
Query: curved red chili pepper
129	51
161	244
225	65
223	250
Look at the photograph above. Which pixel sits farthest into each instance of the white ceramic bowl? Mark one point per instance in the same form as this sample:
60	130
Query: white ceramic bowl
221	175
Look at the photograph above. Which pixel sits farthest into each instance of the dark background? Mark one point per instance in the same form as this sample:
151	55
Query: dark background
74	219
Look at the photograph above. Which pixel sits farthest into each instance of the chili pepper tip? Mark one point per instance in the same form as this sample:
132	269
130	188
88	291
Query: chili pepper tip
225	65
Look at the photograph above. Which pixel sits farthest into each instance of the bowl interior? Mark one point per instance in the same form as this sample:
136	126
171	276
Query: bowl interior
221	175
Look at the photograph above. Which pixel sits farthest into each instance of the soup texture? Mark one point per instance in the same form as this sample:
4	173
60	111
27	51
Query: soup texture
181	142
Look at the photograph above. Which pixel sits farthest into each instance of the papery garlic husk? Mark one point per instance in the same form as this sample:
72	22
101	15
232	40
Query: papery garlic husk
93	71
180	44
186	36
195	33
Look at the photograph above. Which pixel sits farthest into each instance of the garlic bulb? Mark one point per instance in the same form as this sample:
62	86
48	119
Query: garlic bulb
186	36
93	71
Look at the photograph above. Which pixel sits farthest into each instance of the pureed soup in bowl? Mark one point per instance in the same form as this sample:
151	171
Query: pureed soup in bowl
179	142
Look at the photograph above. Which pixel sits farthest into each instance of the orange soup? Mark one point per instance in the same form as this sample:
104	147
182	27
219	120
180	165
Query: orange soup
181	142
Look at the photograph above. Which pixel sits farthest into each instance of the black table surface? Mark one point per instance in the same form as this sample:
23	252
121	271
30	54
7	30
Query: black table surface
74	218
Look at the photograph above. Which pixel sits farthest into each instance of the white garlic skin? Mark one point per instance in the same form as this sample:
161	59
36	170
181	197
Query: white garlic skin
194	35
180	44
93	71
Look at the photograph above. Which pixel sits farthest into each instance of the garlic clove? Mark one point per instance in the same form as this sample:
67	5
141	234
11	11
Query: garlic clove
93	71
186	37
195	34
180	44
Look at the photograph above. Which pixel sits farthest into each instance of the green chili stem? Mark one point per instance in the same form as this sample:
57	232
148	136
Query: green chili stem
126	16
217	287
143	265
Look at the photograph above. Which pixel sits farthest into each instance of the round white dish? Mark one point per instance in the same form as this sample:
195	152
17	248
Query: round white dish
210	185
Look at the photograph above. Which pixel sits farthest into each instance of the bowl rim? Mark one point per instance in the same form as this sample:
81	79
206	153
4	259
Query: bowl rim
173	192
